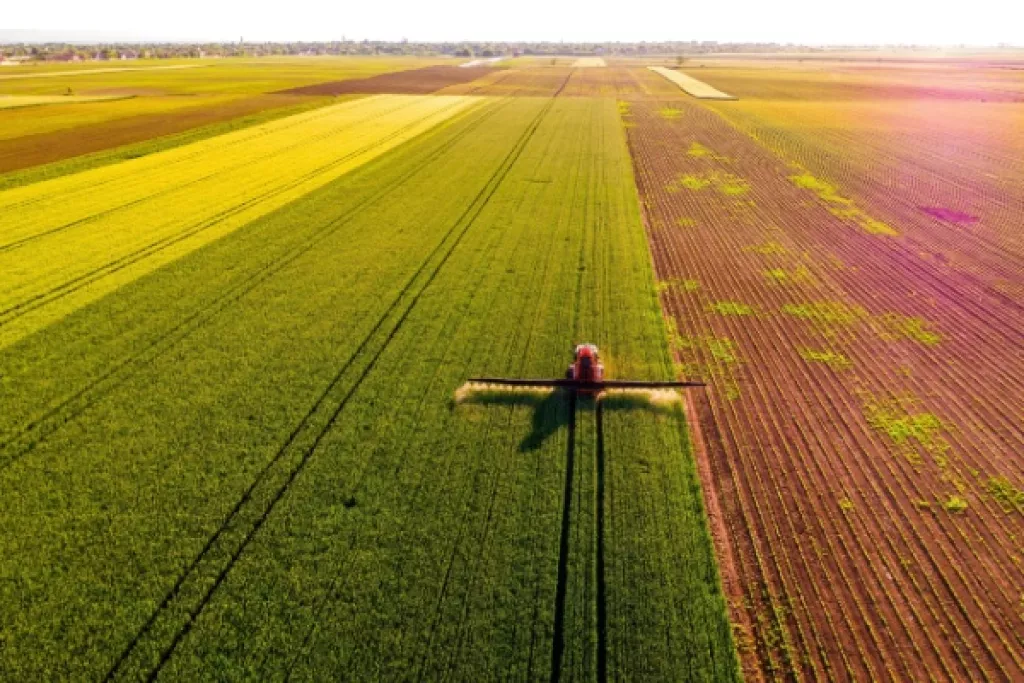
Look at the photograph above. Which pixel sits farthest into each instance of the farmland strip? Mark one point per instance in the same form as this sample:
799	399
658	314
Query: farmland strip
28	435
79	72
128	122
423	81
157	139
30	289
691	85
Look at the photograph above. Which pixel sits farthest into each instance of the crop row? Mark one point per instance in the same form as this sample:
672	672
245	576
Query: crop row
840	407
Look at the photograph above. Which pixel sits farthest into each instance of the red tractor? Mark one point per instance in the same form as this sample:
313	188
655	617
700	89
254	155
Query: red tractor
585	375
587	368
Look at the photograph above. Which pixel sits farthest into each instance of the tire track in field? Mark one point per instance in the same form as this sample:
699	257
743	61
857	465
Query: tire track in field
459	229
602	588
75	284
19	443
562	585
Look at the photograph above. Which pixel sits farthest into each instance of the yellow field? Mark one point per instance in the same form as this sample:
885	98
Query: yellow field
691	85
36	73
67	242
15	101
589	62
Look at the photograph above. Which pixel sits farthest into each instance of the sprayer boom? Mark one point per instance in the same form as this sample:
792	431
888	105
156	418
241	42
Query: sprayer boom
585	375
582	385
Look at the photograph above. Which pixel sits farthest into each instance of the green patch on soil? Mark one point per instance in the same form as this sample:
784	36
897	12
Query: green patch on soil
709	357
769	248
826	313
726	184
955	504
730	308
670	113
699	151
722	350
909	428
1009	497
694	181
781	276
686	223
842	207
915	328
819	187
678	284
833	359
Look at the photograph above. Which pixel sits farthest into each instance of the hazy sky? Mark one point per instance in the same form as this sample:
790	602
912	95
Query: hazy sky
978	22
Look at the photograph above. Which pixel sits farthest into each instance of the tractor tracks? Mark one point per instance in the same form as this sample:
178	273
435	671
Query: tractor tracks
562	584
152	647
565	549
602	592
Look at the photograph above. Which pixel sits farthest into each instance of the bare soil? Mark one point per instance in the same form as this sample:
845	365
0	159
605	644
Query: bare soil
423	81
828	480
44	148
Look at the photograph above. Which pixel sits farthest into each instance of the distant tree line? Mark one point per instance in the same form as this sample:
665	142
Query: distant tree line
111	51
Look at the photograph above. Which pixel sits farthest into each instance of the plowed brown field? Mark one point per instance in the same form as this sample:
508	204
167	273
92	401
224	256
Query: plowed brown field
43	148
423	81
521	82
863	430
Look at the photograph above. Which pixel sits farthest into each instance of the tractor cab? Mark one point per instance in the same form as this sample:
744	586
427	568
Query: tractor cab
587	367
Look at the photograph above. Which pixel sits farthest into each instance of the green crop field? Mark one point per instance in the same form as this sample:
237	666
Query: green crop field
192	76
233	445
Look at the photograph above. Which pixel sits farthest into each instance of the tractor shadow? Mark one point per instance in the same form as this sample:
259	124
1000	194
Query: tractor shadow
553	410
